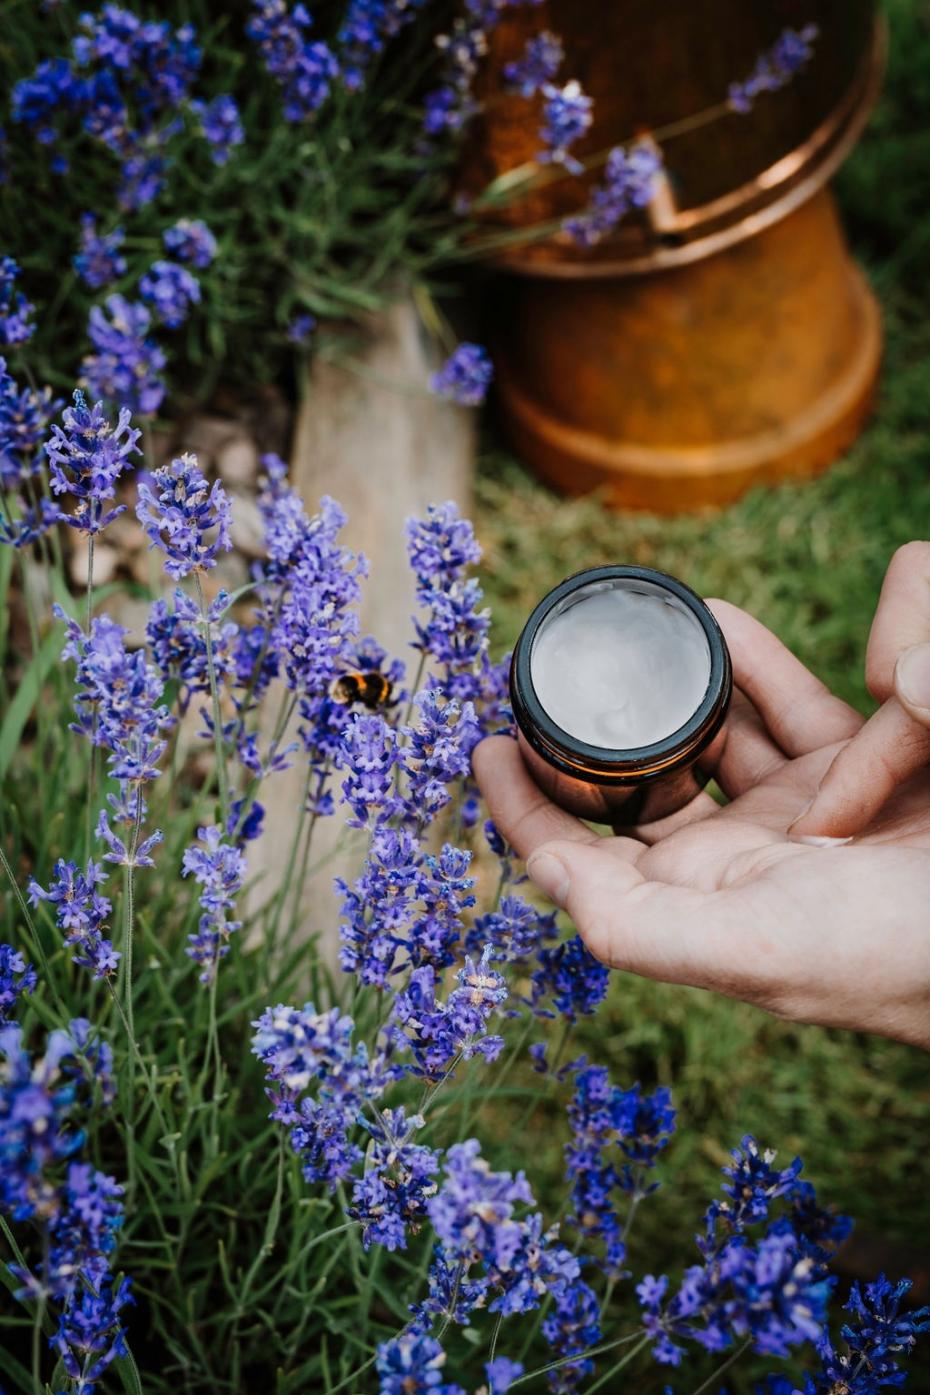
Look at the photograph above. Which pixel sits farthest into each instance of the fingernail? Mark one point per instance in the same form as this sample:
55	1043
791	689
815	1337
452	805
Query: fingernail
798	817
550	874
912	675
814	840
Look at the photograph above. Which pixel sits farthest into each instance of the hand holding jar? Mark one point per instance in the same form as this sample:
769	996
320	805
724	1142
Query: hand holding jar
808	893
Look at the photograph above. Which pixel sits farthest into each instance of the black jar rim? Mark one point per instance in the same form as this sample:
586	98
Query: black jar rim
632	764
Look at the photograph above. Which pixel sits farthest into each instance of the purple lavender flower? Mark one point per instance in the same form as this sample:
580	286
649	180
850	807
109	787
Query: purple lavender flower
17	978
775	68
454	631
15	310
315	626
81	912
123	854
441	547
190	241
773	1290
90	1335
754	1184
365	31
129	79
377	914
537	65
187	518
509	1260
99	261
411	1364
391	1197
879	1336
370	754
438	751
567	116
501	1373
821	1228
170	290
299	1045
87	456
126	366
305	69
24	418
36	1100
570	1327
436	1033
53	88
452	105
84	1232
302	1048
604	1117
118	703
629	182
514	932
465	376
301	328
221	126
142	176
572	978
218	869
178	645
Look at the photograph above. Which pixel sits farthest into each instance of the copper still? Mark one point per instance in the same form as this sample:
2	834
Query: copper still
722	336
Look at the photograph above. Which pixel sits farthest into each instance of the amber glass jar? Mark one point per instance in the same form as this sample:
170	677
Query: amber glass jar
650	652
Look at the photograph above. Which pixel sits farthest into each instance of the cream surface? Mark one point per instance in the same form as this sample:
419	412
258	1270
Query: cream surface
620	668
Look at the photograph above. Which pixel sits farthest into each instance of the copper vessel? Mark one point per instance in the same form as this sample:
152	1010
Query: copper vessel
723	336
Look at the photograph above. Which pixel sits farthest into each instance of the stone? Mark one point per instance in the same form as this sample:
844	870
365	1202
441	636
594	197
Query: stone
206	435
106	561
247	529
237	462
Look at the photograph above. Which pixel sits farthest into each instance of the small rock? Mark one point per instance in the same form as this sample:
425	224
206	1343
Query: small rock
247	530
206	436
106	561
132	613
126	533
237	462
146	568
230	572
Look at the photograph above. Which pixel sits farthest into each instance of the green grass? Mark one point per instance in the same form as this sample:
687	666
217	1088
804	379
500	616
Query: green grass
808	560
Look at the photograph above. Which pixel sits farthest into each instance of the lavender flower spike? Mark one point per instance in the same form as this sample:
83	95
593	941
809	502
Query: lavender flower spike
187	518
791	51
465	376
87	458
218	868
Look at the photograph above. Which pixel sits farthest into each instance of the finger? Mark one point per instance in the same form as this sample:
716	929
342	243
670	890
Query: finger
912	682
699	808
749	754
673	933
902	617
800	712
517	805
889	748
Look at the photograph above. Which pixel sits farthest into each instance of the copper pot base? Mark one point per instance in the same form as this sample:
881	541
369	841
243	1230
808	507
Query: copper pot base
685	388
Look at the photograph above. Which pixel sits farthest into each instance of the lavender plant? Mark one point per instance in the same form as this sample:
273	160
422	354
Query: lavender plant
255	117
226	1160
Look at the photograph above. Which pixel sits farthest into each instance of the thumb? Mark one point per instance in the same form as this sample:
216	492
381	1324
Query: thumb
912	682
674	933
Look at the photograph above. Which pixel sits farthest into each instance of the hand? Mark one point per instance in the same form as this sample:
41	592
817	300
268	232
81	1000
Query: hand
722	898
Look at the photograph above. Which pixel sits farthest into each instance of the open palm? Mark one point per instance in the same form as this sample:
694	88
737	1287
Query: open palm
722	897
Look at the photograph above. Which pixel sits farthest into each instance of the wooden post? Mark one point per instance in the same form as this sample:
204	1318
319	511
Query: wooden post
370	434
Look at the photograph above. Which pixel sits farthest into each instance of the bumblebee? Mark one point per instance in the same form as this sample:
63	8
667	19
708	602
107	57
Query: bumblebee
371	689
